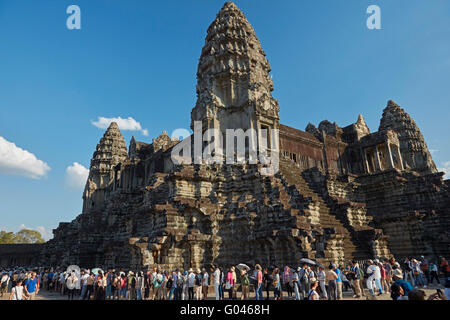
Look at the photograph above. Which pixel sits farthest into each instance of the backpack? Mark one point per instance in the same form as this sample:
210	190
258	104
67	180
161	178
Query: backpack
361	274
198	281
245	281
169	283
180	281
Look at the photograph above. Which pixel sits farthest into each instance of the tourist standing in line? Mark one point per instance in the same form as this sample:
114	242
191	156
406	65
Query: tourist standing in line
205	284
384	284
222	284
108	289
434	273
397	276
418	274
408	269
83	279
338	282
303	278
356	279
276	284
259	283
287	281
312	294
157	283
31	287
4	284
245	283
331	279
444	268
295	285
71	285
267	280
321	277
198	285
425	269
229	284
139	285
191	284
217	281
173	285
17	292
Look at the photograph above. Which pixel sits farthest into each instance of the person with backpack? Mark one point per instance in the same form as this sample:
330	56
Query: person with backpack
245	284
4	284
71	284
198	285
17	292
172	285
276	284
356	275
312	294
303	279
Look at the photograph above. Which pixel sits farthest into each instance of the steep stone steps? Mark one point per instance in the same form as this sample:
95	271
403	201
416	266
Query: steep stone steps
328	220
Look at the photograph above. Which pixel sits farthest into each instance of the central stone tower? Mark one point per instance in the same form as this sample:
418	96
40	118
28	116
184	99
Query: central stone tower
233	82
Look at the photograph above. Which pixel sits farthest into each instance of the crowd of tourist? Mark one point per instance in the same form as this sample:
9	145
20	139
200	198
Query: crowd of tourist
403	280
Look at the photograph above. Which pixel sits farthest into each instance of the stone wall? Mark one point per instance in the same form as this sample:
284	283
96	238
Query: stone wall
13	255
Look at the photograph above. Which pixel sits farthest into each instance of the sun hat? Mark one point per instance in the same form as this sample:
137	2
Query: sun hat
397	273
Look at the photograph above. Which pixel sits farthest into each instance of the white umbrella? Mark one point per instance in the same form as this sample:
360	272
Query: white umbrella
242	266
74	268
96	271
308	261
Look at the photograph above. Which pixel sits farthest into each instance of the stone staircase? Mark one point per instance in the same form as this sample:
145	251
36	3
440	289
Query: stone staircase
314	206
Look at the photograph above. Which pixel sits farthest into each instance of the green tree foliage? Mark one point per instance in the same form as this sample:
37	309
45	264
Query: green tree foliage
22	237
7	237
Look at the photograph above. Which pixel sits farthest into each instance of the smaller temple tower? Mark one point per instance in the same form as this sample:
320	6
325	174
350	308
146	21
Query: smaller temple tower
111	151
413	147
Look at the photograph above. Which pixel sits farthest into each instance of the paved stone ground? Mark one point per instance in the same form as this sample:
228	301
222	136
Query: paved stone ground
348	295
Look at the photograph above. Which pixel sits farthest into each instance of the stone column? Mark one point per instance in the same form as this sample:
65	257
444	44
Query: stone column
391	160
400	158
365	163
377	159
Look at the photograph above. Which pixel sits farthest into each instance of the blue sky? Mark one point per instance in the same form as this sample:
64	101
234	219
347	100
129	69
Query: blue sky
139	58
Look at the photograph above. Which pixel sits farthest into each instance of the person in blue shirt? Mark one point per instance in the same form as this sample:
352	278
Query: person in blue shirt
338	282
398	279
31	287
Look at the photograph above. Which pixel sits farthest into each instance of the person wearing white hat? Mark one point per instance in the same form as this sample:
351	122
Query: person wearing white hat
191	284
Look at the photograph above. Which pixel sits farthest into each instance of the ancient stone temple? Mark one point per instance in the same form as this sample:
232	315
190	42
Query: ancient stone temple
340	192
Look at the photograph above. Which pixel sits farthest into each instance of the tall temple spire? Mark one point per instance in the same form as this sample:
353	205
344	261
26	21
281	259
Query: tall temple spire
110	151
413	147
233	80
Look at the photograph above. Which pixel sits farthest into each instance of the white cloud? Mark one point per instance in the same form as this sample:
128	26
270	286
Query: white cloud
17	161
446	169
124	124
44	233
76	176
